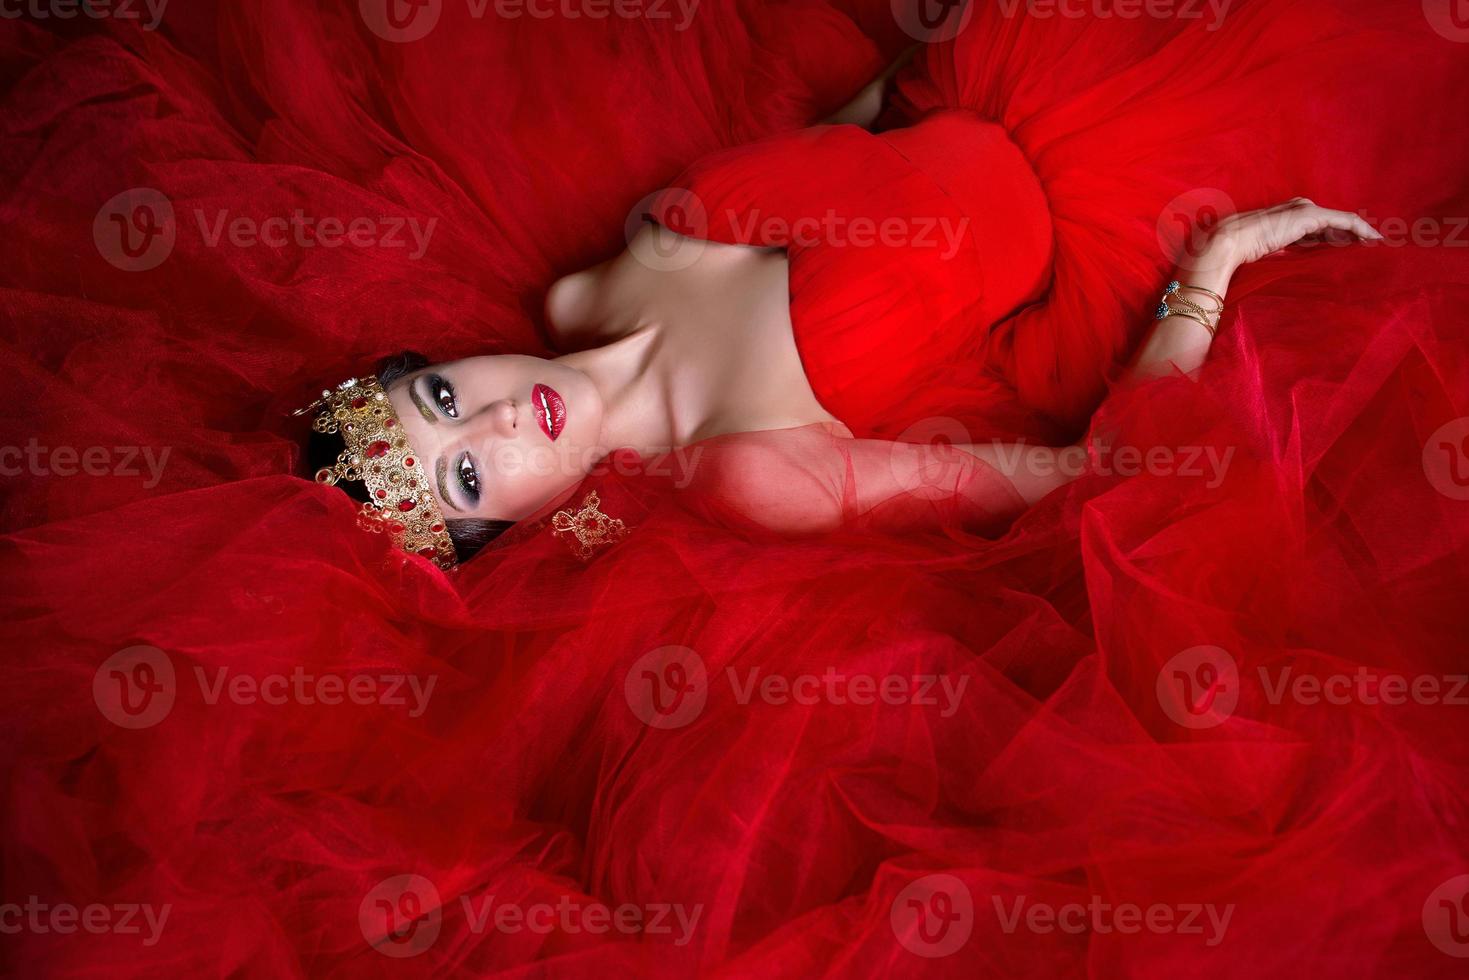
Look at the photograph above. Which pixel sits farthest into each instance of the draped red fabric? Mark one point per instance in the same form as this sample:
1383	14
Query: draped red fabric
1199	713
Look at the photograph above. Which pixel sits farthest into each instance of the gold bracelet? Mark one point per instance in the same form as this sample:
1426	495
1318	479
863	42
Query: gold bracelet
1192	316
1199	313
1188	304
1209	293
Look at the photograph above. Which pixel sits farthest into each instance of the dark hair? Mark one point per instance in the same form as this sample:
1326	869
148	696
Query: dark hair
469	534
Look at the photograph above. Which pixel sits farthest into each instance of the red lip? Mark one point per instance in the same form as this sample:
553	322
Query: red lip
550	410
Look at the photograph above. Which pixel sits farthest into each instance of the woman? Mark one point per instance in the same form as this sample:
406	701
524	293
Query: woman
364	763
684	340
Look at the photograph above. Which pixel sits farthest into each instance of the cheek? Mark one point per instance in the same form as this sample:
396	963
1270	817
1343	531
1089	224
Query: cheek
535	480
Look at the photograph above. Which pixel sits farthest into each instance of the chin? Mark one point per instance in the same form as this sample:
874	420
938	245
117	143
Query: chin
568	303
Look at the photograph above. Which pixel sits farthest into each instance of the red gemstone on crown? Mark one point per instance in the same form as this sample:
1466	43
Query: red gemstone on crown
389	423
381	494
427	552
408	461
359	403
406	505
436	528
378	448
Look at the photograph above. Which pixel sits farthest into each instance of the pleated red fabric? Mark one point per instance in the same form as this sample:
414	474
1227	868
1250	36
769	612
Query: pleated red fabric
1199	713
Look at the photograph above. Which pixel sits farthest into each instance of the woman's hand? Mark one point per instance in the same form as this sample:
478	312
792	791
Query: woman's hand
1180	344
1251	235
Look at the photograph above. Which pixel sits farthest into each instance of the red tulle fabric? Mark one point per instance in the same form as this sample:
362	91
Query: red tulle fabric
539	772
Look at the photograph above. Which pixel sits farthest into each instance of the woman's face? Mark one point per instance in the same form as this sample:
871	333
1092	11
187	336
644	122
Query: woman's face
501	436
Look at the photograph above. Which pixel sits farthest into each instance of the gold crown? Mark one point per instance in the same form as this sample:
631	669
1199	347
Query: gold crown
377	453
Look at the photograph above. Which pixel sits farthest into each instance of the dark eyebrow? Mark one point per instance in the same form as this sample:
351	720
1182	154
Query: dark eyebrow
441	470
429	415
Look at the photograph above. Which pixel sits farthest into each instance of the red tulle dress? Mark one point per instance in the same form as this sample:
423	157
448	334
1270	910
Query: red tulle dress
1080	741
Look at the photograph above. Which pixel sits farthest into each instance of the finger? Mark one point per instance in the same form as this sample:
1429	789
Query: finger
1352	225
1294	204
1364	230
1318	220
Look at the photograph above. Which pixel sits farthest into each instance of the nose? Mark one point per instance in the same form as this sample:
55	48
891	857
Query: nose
502	417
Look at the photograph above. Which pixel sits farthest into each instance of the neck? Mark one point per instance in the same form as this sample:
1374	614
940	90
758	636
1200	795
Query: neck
639	322
634	407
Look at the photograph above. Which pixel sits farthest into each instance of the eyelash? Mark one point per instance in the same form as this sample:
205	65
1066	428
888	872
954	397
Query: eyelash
465	473
438	388
468	478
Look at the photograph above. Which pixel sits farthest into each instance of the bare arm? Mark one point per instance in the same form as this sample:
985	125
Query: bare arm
1180	344
808	479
